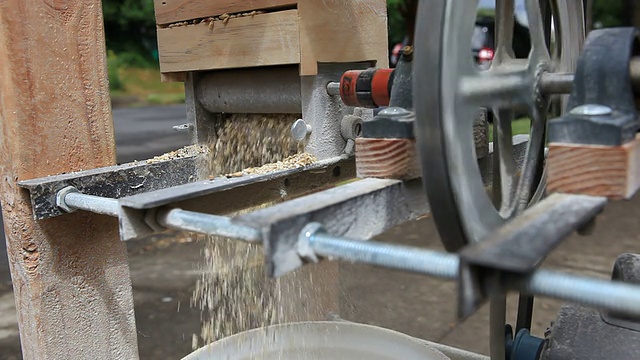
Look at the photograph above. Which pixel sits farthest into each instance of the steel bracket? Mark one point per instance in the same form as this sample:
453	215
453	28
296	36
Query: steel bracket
227	195
520	246
112	182
361	209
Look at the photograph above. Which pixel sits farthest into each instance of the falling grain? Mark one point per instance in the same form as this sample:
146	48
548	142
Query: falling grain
233	293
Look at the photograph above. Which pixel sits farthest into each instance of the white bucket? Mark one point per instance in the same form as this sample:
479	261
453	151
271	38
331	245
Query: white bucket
335	340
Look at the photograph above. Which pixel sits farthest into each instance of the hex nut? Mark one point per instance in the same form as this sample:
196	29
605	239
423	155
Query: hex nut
305	250
60	198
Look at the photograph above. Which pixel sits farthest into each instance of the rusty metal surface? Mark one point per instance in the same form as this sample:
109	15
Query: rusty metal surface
112	182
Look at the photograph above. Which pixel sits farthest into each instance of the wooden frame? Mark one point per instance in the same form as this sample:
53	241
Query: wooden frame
305	32
70	274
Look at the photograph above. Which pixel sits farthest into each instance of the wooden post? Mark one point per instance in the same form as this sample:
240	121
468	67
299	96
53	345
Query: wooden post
70	274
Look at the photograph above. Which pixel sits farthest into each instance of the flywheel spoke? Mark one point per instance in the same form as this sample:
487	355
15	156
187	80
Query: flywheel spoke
505	168
504	30
539	49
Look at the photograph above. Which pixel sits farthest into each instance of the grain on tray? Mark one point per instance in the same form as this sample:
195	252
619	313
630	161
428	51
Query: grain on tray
187	151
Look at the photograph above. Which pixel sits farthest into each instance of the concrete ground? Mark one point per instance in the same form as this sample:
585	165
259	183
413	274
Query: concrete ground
164	273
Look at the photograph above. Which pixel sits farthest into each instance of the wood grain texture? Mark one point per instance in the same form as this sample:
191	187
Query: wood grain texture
342	31
387	159
171	11
611	171
260	40
173	77
70	274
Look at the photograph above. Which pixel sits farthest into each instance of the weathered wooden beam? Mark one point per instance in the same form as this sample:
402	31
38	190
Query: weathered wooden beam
610	171
171	11
70	274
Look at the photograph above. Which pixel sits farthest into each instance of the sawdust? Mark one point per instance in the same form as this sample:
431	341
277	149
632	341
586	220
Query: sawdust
187	151
233	292
224	19
291	162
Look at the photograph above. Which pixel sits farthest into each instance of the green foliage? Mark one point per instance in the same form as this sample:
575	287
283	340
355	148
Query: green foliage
130	31
608	13
397	24
166	98
115	83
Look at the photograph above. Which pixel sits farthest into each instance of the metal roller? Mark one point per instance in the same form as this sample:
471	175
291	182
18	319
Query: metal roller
265	90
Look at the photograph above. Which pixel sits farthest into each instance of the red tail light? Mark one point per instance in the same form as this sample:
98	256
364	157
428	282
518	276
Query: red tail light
485	54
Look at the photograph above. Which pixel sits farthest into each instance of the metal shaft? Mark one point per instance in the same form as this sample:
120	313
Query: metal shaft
333	88
407	258
95	204
617	297
179	219
604	294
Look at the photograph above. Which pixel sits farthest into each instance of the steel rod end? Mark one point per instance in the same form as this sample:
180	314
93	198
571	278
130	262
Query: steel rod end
60	198
305	240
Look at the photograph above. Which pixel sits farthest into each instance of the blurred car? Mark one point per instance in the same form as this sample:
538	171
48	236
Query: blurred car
483	41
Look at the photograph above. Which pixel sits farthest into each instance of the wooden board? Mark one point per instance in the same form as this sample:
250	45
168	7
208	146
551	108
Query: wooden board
611	171
328	31
70	274
342	31
260	40
387	159
171	11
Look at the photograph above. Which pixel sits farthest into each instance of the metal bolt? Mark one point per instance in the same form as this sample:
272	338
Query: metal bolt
407	51
304	241
60	199
591	110
70	199
183	127
300	130
351	127
333	88
394	111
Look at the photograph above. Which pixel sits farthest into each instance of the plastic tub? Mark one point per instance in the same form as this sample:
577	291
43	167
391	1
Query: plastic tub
322	340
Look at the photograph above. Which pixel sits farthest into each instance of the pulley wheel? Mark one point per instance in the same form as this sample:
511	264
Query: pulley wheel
449	89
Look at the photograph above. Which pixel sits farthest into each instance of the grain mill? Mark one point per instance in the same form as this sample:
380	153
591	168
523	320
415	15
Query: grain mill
393	145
